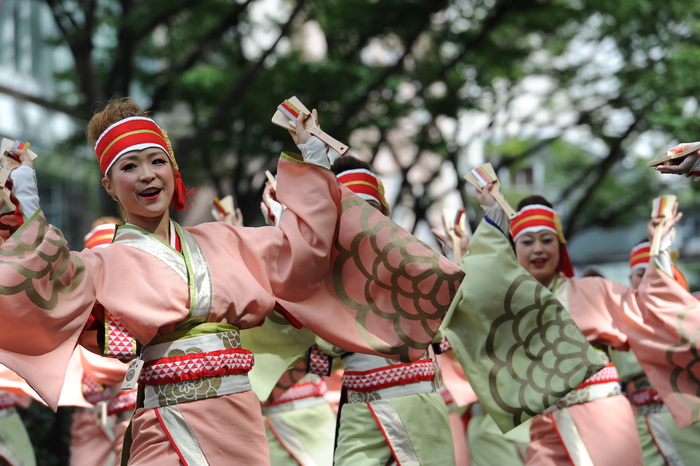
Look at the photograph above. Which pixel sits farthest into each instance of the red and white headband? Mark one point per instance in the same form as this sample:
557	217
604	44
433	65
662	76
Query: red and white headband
130	134
100	236
365	184
537	217
639	256
134	134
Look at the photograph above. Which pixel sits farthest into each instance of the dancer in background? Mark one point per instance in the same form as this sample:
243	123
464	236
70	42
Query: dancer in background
299	420
663	443
583	424
390	411
484	442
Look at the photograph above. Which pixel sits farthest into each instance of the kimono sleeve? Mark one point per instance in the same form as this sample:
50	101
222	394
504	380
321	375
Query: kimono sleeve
45	300
518	346
662	325
362	283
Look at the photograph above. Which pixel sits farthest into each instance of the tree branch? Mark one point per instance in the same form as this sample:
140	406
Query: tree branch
185	146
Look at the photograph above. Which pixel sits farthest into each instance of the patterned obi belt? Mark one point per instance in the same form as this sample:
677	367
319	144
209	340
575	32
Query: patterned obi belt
203	362
305	393
123	401
388	381
93	391
602	384
7	404
644	398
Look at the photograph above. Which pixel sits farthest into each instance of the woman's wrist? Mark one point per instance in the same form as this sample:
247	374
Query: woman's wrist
315	151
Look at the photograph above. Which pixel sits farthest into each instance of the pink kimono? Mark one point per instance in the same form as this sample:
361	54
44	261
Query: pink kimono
332	252
659	322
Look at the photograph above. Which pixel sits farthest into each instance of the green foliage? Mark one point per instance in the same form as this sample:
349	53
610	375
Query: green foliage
614	70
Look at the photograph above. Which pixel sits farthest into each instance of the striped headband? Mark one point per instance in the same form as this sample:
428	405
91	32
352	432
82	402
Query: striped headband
362	182
139	133
534	218
365	184
130	134
100	236
639	256
538	217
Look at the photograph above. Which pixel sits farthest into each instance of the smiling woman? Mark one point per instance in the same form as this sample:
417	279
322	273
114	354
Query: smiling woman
175	298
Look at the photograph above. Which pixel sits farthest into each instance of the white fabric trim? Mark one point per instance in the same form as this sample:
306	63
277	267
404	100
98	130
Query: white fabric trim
663	440
392	427
25	189
572	438
301	403
315	151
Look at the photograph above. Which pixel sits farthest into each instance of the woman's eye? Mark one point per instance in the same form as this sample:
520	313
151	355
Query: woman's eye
527	241
128	166
547	239
159	161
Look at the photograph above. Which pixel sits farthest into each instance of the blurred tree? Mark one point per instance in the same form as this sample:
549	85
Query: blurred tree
412	85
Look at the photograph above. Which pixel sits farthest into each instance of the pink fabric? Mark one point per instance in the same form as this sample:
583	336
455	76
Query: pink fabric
17	386
659	321
72	389
459	438
616	444
89	443
107	371
454	379
119	431
208	419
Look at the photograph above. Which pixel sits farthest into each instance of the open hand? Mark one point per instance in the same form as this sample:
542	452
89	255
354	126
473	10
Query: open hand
448	245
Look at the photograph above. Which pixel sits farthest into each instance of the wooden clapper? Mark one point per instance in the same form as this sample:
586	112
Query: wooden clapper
674	158
450	219
222	207
483	175
663	207
287	113
9	162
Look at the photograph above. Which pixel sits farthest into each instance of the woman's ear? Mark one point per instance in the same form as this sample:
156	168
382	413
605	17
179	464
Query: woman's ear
108	186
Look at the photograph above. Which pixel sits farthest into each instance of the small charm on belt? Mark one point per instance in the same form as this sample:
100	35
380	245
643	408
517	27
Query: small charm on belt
132	374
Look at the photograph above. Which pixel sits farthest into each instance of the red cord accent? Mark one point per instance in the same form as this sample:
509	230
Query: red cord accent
181	195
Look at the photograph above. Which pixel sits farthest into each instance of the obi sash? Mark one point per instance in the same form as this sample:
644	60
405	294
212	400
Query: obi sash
604	383
305	393
368	378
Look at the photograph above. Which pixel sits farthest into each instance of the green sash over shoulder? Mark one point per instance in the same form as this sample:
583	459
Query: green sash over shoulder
518	346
